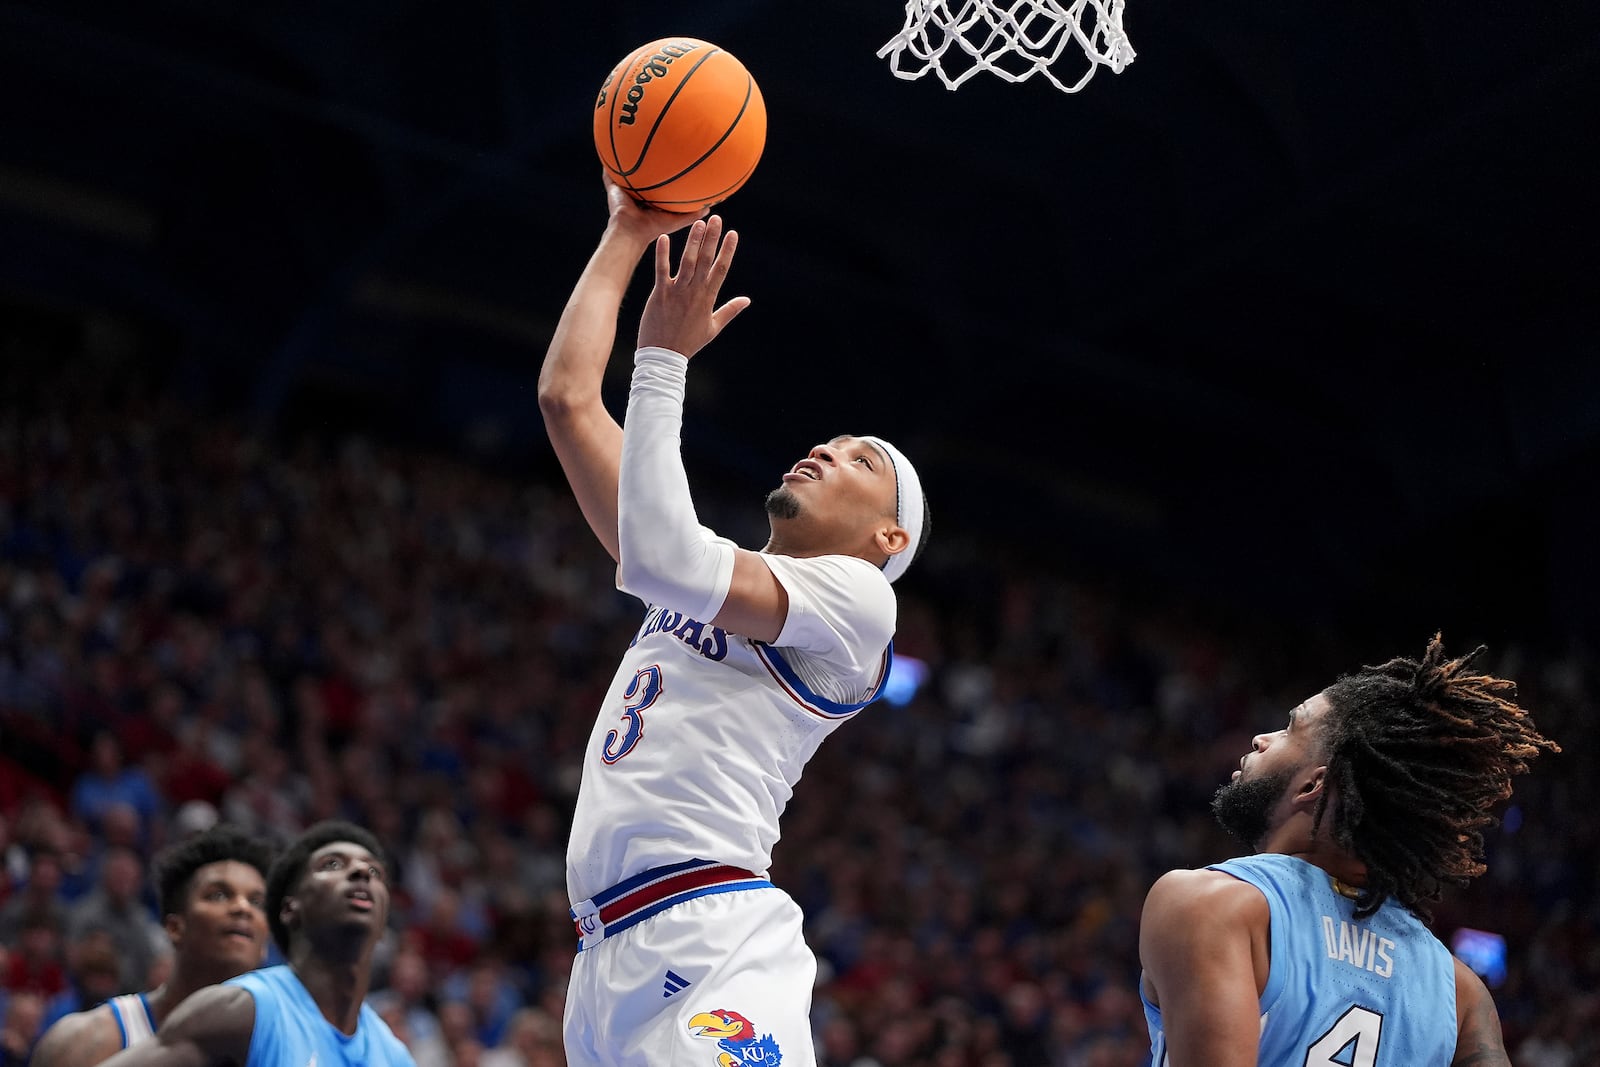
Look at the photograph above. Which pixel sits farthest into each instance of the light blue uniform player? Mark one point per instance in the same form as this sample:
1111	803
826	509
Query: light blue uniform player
327	903
291	1032
1313	951
1379	990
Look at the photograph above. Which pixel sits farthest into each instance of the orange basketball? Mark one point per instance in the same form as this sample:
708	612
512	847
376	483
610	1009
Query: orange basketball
680	124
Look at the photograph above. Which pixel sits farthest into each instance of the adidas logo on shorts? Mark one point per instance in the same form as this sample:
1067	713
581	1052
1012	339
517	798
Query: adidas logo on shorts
675	983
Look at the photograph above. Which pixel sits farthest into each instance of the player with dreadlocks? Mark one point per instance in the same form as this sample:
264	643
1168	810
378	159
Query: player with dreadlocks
1361	810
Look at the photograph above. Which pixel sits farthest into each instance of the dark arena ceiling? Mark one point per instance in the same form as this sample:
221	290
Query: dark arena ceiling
1301	306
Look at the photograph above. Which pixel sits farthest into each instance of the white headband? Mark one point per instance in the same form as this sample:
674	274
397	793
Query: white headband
908	507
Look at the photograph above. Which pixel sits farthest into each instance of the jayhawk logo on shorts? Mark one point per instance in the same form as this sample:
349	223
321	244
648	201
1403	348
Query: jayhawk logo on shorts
736	1037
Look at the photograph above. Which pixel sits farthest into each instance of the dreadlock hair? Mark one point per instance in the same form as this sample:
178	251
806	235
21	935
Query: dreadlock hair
174	869
1418	753
290	869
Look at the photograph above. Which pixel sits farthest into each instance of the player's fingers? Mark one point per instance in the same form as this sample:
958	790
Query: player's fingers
724	261
663	259
691	250
679	221
728	312
707	254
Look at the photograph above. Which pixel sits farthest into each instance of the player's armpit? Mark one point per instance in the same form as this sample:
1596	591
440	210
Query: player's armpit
212	1028
1479	1041
81	1040
1196	942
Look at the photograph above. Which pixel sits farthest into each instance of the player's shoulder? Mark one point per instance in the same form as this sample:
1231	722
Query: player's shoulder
395	1051
839	581
1184	896
262	979
843	565
80	1039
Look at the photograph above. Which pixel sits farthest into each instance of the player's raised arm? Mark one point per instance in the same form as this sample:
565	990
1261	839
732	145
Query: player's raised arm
587	440
212	1028
665	556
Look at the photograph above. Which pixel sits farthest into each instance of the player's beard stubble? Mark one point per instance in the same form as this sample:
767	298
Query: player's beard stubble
1244	808
782	504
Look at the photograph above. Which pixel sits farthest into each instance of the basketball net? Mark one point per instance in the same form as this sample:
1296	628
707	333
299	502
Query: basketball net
1014	39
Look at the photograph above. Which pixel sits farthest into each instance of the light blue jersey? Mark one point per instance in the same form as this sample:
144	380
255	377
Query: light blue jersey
291	1032
1379	992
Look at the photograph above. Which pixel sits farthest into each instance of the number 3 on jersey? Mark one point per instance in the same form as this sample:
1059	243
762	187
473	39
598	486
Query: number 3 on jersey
640	694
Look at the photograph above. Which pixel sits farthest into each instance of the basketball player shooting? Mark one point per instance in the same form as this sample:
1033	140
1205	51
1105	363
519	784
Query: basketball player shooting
743	664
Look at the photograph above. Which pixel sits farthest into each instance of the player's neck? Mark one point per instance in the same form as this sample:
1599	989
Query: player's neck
1321	852
790	537
1298	835
176	989
798	539
339	986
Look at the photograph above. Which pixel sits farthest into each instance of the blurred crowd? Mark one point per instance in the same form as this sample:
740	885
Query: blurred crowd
199	623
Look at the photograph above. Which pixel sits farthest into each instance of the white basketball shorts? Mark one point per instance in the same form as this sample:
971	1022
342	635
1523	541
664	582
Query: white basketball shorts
716	981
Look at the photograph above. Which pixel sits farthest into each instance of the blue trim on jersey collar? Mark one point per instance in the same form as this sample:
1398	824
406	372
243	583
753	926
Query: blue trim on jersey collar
823	704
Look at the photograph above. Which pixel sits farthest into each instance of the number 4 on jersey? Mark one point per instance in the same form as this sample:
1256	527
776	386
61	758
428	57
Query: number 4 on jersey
642	691
1350	1042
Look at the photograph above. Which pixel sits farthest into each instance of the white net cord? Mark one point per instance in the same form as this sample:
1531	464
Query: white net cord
1013	39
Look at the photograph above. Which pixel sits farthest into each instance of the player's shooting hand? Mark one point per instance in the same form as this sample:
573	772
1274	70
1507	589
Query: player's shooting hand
642	223
682	312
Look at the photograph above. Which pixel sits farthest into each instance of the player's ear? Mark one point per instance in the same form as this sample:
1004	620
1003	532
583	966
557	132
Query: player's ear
891	540
1310	784
175	926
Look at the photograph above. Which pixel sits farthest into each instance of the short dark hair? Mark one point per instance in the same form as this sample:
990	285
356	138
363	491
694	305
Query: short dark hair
290	868
173	870
1419	752
927	530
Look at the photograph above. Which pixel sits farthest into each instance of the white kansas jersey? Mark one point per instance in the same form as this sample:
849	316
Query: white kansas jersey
703	733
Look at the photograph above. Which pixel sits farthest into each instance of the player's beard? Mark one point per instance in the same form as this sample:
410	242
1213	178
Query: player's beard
1244	807
783	504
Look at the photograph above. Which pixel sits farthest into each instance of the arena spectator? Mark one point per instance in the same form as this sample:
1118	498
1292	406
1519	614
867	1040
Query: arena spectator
109	783
118	908
39	896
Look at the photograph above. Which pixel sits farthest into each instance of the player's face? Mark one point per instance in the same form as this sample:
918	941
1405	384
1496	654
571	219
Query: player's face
848	480
224	924
1250	804
1288	748
345	886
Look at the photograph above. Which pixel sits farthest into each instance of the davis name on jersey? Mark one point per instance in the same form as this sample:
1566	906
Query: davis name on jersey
1356	945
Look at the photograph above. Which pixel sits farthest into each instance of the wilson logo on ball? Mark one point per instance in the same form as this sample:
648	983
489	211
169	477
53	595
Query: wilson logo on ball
680	124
